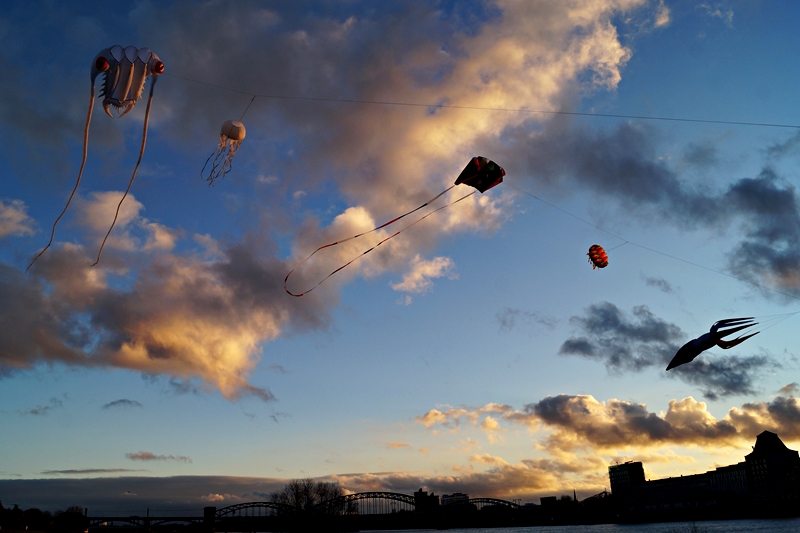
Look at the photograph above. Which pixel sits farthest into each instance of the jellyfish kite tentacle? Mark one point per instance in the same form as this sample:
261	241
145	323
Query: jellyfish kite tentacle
231	136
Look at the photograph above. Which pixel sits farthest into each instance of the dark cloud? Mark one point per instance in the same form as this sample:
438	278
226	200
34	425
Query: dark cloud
720	377
277	368
622	163
621	342
778	150
87	471
148	456
633	343
769	254
625	165
122	403
508	317
701	154
131	493
659	283
41	410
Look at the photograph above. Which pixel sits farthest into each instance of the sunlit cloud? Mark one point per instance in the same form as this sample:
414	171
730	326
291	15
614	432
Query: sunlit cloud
418	279
200	310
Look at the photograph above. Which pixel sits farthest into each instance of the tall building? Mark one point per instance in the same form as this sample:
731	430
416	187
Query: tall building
773	470
626	476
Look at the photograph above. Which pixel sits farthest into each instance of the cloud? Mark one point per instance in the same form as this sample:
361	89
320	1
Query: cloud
88	471
418	279
662	15
122	403
507	318
14	219
109	493
185	317
201	315
42	410
624	165
633	343
148	456
576	438
717	10
659	283
215	497
583	422
398	445
451	418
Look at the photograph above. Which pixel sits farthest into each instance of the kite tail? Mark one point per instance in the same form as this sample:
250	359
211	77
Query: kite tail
286	279
133	176
80	173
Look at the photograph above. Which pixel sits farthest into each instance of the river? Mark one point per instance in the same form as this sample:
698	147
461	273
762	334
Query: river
788	525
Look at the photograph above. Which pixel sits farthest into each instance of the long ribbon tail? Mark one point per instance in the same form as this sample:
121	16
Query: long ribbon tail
286	279
80	174
133	176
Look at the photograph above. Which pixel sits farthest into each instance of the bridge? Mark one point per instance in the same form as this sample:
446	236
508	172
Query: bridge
362	504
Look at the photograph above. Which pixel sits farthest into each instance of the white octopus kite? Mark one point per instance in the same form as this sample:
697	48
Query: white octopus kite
125	70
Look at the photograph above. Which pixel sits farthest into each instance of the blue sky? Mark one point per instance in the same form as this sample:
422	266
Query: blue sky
478	351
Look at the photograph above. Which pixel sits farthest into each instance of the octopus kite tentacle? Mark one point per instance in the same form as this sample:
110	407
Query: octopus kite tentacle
80	173
286	279
133	176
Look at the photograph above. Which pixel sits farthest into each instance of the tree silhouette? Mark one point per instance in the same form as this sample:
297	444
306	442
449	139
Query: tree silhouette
303	496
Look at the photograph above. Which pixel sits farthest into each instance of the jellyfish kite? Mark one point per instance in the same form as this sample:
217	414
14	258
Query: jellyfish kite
695	347
231	136
480	173
597	256
125	72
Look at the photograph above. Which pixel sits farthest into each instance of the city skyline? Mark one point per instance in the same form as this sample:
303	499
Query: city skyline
477	349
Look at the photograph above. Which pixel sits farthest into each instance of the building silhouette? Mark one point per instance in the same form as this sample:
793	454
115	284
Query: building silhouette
767	480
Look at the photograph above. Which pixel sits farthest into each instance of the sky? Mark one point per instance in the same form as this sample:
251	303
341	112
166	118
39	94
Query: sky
476	352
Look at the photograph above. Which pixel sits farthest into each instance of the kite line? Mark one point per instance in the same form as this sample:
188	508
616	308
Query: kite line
286	279
481	108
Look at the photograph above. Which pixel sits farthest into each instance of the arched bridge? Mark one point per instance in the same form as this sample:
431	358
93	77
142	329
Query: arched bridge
480	503
253	509
361	503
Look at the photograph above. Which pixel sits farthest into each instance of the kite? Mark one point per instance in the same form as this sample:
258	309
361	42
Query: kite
231	136
480	173
597	256
695	347
125	72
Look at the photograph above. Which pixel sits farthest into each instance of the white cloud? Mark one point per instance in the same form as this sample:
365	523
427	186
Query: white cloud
662	15
418	279
14	219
